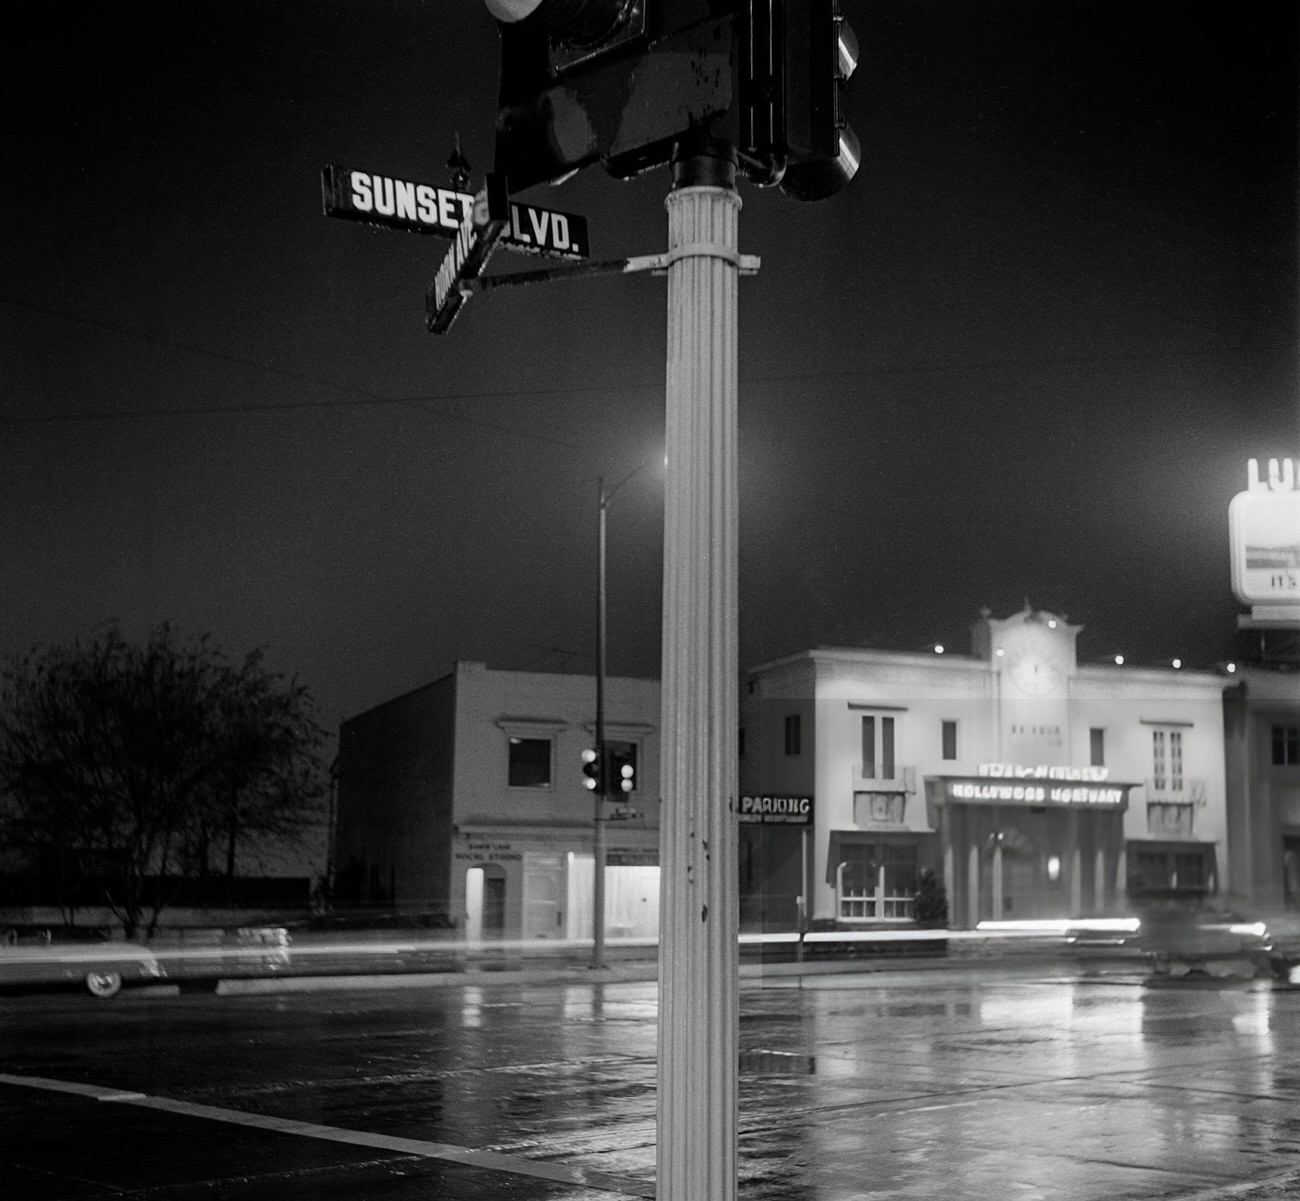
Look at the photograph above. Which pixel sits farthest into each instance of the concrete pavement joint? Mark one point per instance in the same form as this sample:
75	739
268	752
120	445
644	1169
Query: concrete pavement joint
468	1156
1287	1182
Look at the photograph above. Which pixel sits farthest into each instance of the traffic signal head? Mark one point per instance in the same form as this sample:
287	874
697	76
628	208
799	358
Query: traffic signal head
612	81
621	82
622	768
796	57
824	149
593	771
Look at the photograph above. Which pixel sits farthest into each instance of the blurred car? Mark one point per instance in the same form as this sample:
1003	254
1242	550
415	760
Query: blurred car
199	958
1178	938
102	968
1181	939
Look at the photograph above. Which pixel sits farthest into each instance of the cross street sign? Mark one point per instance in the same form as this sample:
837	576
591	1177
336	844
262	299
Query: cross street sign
468	254
424	208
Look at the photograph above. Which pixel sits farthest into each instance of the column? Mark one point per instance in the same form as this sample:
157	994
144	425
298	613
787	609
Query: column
698	949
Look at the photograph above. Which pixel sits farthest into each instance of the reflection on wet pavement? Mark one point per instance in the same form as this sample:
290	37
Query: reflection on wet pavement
953	1083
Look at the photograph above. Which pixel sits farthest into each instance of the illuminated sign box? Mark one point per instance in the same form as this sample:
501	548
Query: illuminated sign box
1264	525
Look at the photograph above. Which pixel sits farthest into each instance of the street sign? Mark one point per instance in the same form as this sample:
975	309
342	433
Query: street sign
468	254
423	208
768	810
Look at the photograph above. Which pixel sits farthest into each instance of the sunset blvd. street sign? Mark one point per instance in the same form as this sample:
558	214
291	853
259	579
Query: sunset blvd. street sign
427	209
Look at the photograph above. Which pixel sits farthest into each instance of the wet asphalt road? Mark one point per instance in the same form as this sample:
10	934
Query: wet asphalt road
959	1082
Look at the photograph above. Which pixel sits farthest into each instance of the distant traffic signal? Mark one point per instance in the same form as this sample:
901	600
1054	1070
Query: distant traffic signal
622	769
593	770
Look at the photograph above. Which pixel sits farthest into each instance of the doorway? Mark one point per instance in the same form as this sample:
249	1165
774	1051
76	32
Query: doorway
485	902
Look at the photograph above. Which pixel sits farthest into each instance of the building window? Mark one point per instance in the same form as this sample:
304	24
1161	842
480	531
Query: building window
1164	868
949	739
740	742
877	747
793	734
876	881
1286	746
1167	760
530	763
1097	747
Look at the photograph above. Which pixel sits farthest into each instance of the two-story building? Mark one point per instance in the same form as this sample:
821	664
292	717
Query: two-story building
463	803
1034	786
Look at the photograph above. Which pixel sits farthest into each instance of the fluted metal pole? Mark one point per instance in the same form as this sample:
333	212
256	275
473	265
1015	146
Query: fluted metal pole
698	948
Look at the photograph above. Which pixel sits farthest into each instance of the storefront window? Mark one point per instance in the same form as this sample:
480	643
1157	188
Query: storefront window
1286	746
877	881
1170	868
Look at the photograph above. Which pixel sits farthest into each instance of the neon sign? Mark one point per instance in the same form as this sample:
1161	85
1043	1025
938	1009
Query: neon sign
1018	771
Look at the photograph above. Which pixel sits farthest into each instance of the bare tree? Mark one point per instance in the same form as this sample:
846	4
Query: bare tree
268	781
117	761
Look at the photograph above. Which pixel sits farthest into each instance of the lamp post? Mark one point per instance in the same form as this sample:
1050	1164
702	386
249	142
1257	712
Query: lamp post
598	818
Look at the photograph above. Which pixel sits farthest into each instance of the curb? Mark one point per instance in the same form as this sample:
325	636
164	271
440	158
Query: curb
638	973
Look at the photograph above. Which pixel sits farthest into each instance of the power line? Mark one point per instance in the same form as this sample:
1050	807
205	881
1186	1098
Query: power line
361	399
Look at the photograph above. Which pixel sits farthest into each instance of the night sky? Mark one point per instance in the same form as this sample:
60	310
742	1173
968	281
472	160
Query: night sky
1024	355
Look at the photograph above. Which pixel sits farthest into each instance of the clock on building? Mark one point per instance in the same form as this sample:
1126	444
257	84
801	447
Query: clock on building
1036	662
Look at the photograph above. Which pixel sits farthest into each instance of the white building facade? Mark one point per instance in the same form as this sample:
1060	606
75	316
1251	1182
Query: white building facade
464	803
1032	786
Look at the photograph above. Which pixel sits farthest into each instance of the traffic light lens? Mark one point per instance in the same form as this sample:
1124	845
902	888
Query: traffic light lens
592	771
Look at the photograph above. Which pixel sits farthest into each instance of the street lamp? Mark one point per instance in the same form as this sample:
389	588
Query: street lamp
598	839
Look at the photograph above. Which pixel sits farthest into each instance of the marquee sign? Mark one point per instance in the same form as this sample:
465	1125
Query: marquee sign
1264	524
776	810
1038	791
426	209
